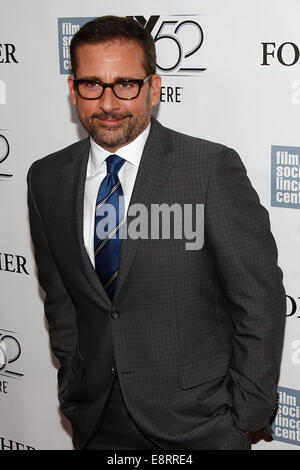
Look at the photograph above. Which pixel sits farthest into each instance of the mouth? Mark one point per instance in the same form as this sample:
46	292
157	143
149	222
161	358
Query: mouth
110	121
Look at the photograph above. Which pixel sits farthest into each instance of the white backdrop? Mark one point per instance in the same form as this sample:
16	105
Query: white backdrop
247	96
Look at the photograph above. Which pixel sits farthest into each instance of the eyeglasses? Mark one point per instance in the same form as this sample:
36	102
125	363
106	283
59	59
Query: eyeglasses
124	89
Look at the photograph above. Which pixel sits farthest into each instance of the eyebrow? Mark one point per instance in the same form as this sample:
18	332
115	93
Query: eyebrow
97	79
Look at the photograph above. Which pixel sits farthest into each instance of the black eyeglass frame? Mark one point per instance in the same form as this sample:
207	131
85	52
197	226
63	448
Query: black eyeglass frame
140	82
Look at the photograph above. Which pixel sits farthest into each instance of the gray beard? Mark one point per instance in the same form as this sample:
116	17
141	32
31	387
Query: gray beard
113	138
110	138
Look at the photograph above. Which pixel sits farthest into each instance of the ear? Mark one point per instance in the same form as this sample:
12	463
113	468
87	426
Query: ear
73	94
155	89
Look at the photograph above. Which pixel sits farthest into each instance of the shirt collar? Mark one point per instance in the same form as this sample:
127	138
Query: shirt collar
132	152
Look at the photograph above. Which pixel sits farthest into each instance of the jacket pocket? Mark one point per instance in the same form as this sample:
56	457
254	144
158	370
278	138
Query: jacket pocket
204	368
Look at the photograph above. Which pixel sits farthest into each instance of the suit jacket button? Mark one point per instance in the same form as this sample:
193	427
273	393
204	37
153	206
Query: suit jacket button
115	315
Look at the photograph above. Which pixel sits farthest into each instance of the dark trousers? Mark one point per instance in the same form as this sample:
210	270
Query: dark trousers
116	430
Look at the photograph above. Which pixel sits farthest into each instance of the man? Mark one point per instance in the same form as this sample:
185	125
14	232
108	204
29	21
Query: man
161	345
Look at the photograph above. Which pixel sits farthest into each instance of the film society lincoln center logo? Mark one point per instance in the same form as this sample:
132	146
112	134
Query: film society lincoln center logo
286	427
179	42
285	174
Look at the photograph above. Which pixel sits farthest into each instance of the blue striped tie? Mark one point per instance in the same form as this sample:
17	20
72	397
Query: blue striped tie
109	218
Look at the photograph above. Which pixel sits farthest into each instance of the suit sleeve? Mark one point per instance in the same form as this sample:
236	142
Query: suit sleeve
59	308
238	233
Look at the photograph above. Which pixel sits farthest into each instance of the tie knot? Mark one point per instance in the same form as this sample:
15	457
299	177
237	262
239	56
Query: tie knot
114	164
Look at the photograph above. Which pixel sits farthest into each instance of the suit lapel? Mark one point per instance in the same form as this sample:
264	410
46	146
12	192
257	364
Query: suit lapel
152	174
73	183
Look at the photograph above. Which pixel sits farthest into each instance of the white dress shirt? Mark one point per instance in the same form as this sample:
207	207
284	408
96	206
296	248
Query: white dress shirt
96	172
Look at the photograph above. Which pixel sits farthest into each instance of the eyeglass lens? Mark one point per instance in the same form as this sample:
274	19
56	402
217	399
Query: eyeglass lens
126	89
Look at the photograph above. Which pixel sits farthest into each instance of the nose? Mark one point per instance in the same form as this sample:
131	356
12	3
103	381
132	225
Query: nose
108	101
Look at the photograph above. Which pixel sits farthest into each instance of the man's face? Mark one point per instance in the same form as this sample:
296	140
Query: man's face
110	121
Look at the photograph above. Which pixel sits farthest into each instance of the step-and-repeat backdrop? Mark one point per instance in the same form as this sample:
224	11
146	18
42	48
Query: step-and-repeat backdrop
231	74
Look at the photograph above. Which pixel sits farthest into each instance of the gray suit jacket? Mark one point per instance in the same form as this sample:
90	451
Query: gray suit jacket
195	335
